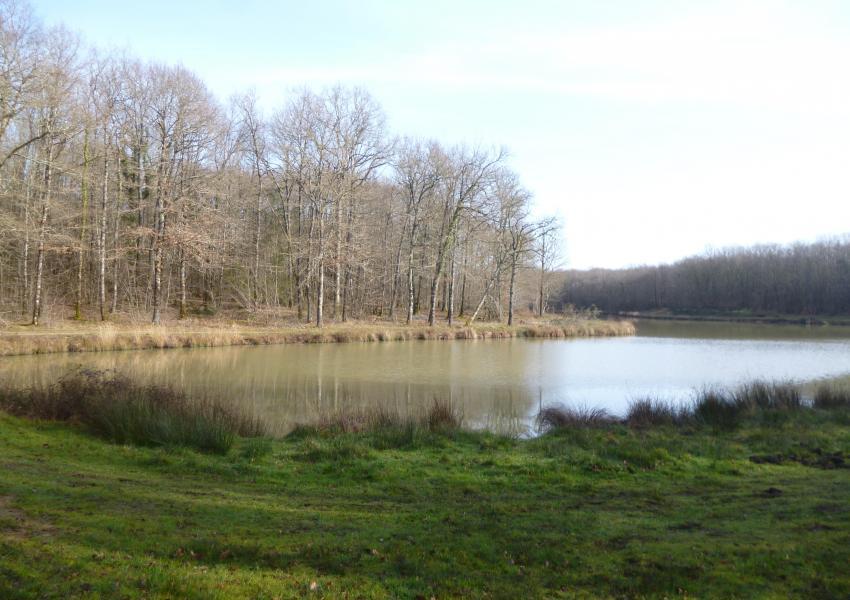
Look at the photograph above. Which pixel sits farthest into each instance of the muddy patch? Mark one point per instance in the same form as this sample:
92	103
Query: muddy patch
16	524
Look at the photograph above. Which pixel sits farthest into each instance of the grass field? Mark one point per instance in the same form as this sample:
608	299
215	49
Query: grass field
759	510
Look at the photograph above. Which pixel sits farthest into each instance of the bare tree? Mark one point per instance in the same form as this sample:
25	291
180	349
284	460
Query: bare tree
122	177
468	173
418	169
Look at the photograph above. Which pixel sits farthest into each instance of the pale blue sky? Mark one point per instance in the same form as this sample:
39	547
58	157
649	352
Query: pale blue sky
654	129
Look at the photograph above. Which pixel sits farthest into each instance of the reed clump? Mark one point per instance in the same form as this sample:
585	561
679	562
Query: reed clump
122	411
648	412
572	417
718	408
828	397
766	395
441	415
726	409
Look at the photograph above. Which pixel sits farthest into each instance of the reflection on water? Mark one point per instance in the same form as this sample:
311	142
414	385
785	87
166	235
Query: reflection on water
496	384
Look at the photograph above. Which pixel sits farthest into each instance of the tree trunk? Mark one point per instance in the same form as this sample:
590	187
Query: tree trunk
25	301
102	243
320	292
159	235
396	278
511	290
84	192
116	220
257	240
42	232
540	308
410	290
338	259
182	285
450	308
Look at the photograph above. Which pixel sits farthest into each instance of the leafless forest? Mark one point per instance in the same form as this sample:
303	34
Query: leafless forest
127	187
800	279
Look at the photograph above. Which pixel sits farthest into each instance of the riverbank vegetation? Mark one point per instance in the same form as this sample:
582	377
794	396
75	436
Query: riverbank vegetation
200	333
125	412
763	283
127	188
376	506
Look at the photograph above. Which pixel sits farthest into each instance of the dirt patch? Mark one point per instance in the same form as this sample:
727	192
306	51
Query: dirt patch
771	492
817	459
687	526
15	523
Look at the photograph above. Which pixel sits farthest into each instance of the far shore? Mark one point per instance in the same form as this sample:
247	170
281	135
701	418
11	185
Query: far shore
736	317
94	336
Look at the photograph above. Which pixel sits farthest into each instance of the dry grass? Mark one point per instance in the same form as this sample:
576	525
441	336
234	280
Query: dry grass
192	334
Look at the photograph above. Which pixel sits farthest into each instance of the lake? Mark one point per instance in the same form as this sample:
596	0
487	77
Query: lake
498	384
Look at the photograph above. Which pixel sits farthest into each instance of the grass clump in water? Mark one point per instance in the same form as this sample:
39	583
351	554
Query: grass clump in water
124	412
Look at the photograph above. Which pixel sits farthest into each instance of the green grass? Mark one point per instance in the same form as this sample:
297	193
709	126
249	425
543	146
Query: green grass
407	512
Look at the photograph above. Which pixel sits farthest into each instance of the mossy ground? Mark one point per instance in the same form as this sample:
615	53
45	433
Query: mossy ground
609	512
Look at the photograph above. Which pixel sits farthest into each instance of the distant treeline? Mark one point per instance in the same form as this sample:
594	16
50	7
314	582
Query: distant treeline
804	279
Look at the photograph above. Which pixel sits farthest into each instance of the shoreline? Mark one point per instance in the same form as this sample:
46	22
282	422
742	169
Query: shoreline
109	337
799	320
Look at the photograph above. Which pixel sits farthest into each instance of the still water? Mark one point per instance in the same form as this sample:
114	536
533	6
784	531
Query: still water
499	384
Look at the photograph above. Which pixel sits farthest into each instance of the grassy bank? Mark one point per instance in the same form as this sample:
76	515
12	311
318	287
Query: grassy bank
368	506
103	337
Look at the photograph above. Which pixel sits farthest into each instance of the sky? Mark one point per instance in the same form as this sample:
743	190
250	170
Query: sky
654	130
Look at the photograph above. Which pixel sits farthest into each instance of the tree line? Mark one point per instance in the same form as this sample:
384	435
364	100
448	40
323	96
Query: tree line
126	186
799	279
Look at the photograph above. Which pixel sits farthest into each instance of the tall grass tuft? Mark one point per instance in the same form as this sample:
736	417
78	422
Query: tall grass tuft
125	412
440	416
571	417
765	395
829	397
648	412
717	409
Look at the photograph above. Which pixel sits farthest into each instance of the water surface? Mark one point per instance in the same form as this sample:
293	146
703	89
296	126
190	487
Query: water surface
498	384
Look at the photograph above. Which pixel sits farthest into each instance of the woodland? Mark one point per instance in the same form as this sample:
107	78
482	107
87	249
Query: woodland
127	187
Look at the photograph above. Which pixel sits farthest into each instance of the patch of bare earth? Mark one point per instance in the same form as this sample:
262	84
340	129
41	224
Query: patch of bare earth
15	524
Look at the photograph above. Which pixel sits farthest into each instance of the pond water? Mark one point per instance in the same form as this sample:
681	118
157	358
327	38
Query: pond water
499	384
